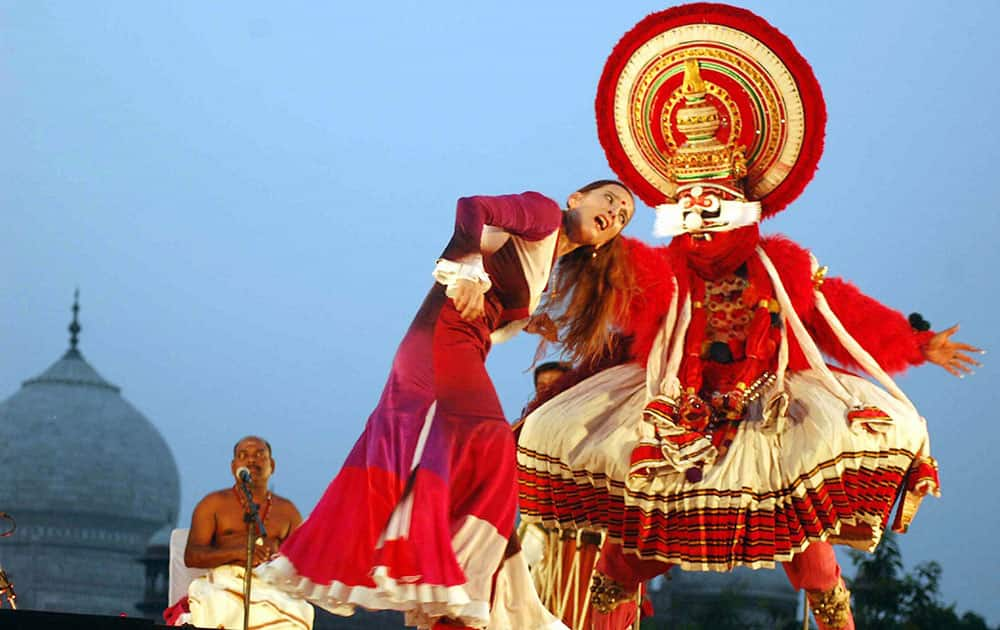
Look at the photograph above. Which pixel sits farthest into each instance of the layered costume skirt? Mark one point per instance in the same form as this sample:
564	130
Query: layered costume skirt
778	488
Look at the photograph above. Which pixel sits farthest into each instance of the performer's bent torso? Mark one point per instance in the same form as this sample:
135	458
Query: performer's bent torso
419	517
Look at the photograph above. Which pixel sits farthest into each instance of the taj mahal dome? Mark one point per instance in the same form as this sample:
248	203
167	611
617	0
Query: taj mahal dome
89	480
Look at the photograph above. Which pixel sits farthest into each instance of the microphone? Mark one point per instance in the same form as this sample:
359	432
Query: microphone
243	473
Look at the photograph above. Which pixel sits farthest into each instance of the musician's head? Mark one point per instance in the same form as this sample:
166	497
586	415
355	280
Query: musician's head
253	453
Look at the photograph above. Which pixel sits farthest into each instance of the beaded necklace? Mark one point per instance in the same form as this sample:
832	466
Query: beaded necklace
243	501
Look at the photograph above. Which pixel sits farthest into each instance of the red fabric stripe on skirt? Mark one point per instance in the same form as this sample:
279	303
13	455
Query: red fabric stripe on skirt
719	533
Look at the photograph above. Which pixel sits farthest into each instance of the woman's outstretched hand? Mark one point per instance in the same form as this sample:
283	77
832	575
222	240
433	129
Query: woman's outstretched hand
951	355
468	298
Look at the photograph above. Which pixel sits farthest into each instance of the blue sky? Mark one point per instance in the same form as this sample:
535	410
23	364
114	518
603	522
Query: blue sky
250	198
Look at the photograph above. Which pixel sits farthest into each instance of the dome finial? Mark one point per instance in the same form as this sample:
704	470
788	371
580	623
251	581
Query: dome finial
75	327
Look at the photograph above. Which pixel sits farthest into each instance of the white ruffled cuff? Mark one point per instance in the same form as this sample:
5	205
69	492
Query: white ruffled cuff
448	272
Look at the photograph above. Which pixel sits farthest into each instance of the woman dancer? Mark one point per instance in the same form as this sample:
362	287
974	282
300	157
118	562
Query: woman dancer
418	519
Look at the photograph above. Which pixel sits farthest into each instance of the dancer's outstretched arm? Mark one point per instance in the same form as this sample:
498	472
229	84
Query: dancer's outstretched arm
894	340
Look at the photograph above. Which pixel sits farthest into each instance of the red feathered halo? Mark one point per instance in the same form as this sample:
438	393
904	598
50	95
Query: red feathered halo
768	98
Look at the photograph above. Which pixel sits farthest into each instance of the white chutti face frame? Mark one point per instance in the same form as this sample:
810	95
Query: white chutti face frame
698	210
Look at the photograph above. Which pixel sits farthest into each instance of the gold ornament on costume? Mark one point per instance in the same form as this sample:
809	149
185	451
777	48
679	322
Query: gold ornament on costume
832	607
819	276
606	594
702	158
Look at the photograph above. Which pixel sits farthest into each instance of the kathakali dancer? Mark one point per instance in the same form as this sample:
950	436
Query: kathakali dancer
420	517
729	439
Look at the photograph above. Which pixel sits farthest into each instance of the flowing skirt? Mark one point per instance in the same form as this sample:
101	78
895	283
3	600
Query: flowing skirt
419	517
815	476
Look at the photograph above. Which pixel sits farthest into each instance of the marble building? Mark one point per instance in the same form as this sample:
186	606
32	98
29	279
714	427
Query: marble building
88	480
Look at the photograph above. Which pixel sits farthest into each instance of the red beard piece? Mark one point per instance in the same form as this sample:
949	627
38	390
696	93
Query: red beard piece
721	255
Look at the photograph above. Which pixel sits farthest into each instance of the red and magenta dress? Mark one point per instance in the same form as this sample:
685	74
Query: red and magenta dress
419	517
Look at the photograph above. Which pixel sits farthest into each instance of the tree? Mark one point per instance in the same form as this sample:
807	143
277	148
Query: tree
876	586
885	598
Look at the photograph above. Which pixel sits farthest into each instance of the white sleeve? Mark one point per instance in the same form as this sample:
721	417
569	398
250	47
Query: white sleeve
448	272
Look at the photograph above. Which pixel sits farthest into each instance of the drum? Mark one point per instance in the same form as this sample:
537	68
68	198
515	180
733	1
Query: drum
562	565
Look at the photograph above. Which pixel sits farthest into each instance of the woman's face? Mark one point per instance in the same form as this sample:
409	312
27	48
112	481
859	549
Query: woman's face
597	216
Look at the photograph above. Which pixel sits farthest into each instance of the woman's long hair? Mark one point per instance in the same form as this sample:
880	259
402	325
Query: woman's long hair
589	294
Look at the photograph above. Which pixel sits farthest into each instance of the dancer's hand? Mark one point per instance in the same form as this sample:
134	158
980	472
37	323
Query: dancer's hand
951	355
468	298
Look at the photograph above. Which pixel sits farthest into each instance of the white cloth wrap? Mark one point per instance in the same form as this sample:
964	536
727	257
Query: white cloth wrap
216	601
515	604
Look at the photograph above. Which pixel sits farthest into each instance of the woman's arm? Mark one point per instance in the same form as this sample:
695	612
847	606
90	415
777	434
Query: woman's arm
530	215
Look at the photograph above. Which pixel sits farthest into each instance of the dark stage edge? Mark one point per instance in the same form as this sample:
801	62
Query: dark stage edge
38	620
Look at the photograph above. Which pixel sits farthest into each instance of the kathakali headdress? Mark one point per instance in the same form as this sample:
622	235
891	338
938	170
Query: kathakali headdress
710	115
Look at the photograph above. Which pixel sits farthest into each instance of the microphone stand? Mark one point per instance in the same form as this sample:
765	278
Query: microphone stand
251	517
